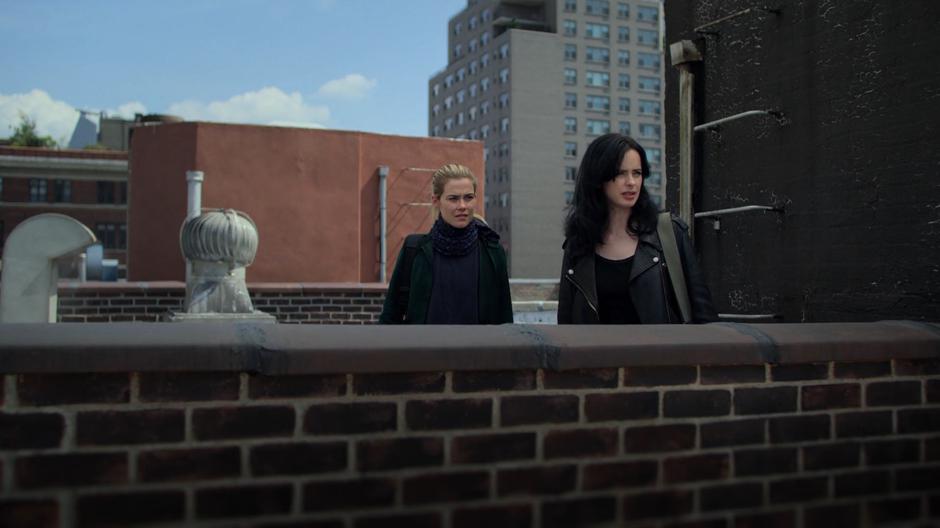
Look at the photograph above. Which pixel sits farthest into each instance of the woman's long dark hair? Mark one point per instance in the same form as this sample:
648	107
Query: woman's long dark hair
588	212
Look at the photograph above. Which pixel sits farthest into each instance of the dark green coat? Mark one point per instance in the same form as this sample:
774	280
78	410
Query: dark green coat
495	302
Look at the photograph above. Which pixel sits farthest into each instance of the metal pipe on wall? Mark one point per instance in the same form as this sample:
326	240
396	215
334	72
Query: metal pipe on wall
194	181
683	54
383	222
194	193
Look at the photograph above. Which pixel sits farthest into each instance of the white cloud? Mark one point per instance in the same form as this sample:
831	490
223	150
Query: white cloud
127	110
267	106
53	118
352	86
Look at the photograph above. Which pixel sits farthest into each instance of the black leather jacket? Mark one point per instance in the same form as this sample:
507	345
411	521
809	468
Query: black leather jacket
650	286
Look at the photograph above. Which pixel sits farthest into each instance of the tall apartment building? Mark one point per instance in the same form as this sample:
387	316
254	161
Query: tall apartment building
537	81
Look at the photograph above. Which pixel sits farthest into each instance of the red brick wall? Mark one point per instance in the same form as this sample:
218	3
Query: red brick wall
289	303
703	437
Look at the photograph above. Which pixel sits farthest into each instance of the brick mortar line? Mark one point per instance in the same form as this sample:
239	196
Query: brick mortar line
67	497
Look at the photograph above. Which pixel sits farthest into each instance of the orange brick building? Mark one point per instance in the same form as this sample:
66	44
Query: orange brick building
313	194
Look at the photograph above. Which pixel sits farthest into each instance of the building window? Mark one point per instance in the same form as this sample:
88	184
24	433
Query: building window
105	192
571	149
648	131
436	90
458	27
623	81
649	61
63	191
654	155
571	6
650	107
448	81
449	102
487	15
649	84
570	28
449	123
624	127
571	52
623	10
595	54
571	173
596	127
485	131
595	78
571	76
504	51
37	190
458	50
436	131
472	23
503	100
569	196
472	46
473	134
623	105
597	7
597	102
460	118
436	110
647	37
571	125
461	74
504	75
461	95
655	179
623	57
484	107
474	67
484	38
472	113
503	150
623	34
597	31
472	90
112	236
571	100
485	84
647	14
504	125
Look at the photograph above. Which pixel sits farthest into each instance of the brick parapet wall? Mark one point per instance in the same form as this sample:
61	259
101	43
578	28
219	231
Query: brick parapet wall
357	427
307	303
304	303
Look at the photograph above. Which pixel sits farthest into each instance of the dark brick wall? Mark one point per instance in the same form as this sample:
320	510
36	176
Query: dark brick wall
853	444
853	161
289	303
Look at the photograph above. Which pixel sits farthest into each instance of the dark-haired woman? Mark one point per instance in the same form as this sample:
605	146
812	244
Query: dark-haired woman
614	270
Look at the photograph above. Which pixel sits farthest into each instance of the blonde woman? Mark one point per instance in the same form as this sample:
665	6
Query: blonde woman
456	273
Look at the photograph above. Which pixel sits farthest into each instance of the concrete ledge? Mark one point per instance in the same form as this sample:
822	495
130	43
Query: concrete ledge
297	349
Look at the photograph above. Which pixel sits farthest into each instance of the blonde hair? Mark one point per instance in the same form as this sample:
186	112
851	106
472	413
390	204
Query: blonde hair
451	171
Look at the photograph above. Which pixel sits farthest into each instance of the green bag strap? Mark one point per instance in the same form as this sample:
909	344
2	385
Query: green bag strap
674	264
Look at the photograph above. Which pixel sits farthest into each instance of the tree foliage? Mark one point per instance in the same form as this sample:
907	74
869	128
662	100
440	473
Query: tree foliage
25	135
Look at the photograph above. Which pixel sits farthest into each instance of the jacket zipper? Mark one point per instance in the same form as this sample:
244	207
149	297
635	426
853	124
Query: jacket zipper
578	286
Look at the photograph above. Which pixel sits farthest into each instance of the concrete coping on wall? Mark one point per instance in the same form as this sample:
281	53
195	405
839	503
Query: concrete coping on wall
305	349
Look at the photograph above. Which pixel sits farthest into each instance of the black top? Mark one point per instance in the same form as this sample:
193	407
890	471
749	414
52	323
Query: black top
613	291
454	288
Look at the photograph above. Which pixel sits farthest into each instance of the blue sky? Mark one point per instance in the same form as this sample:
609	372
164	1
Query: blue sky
344	64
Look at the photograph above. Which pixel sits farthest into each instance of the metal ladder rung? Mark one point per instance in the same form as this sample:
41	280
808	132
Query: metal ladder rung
712	124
